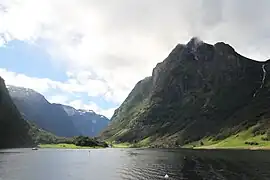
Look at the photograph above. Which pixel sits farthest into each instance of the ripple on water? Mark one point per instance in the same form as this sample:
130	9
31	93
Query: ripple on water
150	171
114	164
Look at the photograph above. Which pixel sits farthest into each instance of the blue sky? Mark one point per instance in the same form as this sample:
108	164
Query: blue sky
32	61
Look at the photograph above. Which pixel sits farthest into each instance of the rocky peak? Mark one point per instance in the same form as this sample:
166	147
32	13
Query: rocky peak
198	65
199	90
221	46
68	109
26	93
194	43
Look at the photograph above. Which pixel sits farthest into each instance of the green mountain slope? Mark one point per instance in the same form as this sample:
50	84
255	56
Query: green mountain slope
13	129
199	91
40	136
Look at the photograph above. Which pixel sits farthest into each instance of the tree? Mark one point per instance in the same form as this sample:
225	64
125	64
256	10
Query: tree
87	141
268	135
201	143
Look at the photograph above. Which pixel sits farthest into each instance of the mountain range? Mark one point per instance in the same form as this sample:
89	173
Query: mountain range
200	91
61	120
86	121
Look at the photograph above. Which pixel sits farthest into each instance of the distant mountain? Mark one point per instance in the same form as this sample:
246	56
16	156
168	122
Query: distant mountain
199	91
58	119
40	136
13	128
87	122
36	108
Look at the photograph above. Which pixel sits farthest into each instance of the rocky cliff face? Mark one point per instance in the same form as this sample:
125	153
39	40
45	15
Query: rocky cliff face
199	90
13	129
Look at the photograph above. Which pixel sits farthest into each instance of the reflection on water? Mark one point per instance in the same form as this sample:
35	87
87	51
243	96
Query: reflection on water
137	164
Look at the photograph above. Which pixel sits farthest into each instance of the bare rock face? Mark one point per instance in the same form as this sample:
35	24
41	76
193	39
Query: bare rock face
199	90
13	128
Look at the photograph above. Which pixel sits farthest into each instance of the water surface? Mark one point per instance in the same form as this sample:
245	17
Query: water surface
133	164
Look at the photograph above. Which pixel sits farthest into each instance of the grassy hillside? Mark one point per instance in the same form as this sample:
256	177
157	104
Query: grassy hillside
250	138
41	136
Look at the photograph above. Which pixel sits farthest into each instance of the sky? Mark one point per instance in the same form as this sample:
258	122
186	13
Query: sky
90	54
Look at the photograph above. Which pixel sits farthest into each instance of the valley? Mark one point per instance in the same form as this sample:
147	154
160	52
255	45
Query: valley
201	96
27	119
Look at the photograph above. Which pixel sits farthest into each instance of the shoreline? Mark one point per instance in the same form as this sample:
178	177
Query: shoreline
57	146
66	146
253	148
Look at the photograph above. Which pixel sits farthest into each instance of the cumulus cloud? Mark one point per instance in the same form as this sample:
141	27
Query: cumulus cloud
73	86
62	99
78	104
115	43
21	80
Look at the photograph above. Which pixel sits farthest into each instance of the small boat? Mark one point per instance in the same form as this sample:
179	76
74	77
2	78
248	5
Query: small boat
35	148
166	176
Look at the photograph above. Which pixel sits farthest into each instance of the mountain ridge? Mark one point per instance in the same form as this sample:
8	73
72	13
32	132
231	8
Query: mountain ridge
194	93
87	121
61	120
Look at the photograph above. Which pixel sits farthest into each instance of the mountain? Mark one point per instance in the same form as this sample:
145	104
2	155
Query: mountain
199	91
40	136
13	129
61	120
45	115
87	122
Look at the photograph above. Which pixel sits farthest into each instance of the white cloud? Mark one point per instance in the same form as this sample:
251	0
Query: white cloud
62	99
43	85
78	104
120	41
21	80
78	84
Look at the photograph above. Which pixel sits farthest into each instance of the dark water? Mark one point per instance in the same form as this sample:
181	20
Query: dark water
137	164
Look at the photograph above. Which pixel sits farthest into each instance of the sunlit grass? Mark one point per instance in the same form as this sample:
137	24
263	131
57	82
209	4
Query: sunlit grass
143	143
122	145
234	141
65	146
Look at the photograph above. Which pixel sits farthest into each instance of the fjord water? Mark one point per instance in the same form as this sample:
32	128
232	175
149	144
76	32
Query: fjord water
137	164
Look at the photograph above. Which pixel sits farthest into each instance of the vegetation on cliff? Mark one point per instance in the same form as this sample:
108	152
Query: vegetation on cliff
199	91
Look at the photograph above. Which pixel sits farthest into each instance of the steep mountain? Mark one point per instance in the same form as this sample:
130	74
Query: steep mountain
58	119
40	136
13	129
88	123
200	90
45	115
